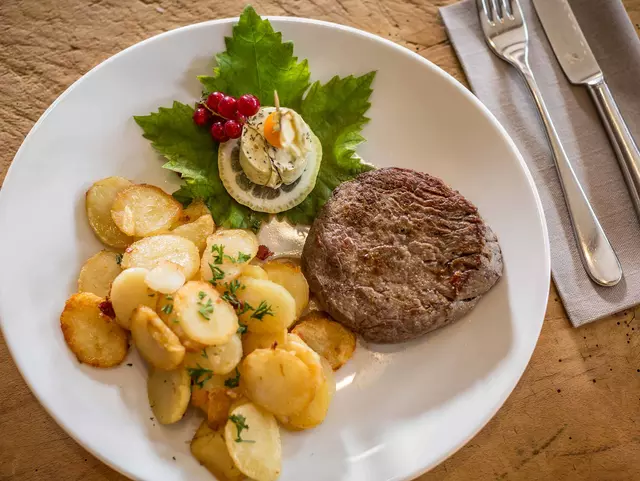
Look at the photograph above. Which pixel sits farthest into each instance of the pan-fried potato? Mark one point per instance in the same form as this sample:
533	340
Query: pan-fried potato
289	276
219	403
150	251
192	212
203	315
93	337
98	273
197	231
128	291
205	381
155	341
268	340
98	202
226	357
166	277
255	272
331	340
143	210
209	448
169	393
277	380
274	309
164	309
307	355
228	251
261	460
316	411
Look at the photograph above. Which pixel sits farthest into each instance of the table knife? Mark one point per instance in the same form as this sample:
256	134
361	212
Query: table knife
581	68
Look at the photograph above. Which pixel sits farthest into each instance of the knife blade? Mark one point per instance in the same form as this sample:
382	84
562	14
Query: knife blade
567	40
581	67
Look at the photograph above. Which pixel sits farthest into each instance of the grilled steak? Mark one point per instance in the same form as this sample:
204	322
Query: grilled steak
397	253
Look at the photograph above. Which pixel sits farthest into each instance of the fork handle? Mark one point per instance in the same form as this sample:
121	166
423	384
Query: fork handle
598	257
621	139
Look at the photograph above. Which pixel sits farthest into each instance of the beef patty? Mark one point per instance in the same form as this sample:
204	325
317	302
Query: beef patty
397	253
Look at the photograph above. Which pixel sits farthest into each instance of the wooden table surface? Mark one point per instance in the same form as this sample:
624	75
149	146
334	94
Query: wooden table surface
574	415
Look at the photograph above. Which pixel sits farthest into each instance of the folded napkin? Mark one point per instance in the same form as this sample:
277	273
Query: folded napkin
614	41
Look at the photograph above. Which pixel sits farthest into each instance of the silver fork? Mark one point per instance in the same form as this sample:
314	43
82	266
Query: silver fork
506	33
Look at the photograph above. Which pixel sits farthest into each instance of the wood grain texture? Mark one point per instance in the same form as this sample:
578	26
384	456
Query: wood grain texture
574	414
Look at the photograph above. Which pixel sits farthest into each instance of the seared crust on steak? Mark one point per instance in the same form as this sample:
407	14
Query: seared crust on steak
397	253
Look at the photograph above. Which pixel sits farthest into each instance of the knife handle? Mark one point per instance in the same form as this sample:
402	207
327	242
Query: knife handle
621	139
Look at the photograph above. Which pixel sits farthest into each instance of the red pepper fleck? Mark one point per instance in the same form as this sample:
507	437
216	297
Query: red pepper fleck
107	309
263	252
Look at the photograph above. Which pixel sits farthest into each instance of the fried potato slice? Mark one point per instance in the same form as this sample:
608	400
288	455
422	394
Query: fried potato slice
273	308
205	381
92	336
268	340
98	202
317	410
197	231
307	355
143	210
277	380
169	393
290	276
209	448
98	273
328	338
218	406
261	460
166	277
151	251
255	272
155	341
203	315
128	291
164	309
192	212
227	251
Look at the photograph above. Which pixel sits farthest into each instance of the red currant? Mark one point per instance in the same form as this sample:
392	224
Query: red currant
227	107
248	105
217	132
214	99
201	116
241	118
232	129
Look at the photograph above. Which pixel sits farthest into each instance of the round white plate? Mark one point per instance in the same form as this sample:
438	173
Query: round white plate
400	409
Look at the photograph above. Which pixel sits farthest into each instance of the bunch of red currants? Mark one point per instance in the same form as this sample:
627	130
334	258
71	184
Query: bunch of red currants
225	114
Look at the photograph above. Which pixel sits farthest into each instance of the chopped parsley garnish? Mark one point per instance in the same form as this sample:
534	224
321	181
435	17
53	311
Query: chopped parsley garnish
262	310
204	354
199	375
167	308
153	294
216	273
201	295
119	259
244	307
206	309
242	257
242	328
233	381
230	294
168	297
241	424
218	249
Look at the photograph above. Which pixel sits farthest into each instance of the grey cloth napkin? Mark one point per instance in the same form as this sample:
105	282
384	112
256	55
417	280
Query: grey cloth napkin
614	41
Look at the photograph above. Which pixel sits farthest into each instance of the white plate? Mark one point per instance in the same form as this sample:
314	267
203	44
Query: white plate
401	409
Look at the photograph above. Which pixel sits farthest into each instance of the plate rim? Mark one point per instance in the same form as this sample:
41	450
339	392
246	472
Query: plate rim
377	39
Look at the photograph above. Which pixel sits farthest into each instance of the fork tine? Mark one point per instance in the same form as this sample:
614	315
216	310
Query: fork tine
497	17
506	9
483	10
516	11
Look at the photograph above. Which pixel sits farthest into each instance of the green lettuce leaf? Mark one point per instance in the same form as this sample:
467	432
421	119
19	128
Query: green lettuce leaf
257	61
